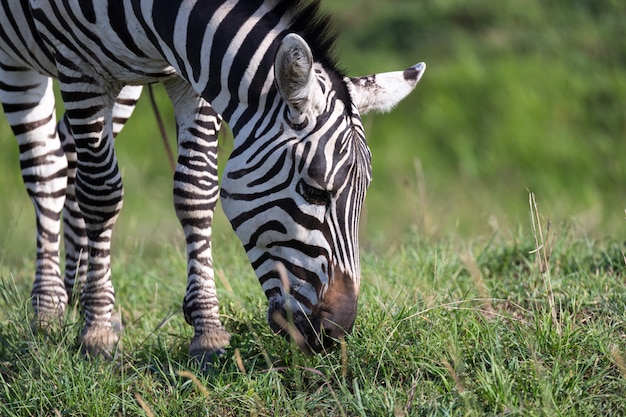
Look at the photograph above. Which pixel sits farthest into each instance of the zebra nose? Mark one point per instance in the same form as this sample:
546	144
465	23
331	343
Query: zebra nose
338	306
311	333
331	328
319	325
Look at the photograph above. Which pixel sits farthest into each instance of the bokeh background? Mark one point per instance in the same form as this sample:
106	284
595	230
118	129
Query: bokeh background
518	96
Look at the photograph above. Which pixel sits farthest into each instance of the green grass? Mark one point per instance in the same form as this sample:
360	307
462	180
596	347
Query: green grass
445	327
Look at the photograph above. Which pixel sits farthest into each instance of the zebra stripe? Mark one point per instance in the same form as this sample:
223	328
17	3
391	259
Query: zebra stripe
294	185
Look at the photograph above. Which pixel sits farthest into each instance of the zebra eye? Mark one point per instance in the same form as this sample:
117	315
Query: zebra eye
313	195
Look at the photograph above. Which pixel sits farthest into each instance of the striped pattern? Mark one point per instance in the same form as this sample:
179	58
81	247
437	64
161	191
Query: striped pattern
294	186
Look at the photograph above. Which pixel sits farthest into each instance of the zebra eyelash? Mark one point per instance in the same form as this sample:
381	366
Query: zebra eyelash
312	194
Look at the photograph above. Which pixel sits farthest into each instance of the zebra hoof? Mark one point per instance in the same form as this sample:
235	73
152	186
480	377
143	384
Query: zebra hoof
46	323
206	347
48	319
99	341
205	360
116	322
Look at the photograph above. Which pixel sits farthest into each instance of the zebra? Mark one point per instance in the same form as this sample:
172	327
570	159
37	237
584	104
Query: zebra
294	184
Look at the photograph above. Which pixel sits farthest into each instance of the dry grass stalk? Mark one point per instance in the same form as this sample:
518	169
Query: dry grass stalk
286	323
483	292
239	361
624	253
195	381
409	402
454	375
225	283
619	360
143	405
344	357
292	330
542	251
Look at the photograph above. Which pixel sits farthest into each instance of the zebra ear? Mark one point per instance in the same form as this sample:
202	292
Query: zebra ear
295	77
381	92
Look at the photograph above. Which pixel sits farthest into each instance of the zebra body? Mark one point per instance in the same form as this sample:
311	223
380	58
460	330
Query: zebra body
294	185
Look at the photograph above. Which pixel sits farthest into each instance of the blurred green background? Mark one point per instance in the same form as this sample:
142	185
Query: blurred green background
518	96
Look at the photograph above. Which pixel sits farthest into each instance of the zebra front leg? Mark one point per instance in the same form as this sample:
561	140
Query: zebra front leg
75	234
196	192
99	193
28	103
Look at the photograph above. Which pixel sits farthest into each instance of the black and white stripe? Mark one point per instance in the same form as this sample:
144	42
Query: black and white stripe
295	183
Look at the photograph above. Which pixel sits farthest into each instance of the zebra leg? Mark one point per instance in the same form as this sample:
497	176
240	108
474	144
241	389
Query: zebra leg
28	103
196	192
74	232
99	192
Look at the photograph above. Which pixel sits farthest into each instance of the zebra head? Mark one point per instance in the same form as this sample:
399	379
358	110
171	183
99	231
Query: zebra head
293	191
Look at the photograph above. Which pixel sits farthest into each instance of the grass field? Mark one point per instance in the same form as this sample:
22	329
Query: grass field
458	314
445	327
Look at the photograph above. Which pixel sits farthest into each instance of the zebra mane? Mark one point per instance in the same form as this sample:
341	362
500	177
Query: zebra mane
314	25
